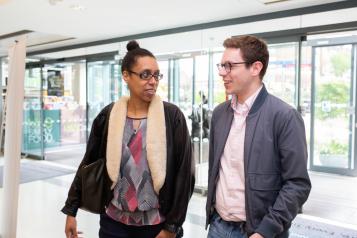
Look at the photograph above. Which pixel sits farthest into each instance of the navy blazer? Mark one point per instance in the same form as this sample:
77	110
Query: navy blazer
275	163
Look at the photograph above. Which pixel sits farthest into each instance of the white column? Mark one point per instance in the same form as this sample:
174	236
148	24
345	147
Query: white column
13	133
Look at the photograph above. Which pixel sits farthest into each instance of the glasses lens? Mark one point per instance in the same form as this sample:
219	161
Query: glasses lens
227	66
157	75
145	75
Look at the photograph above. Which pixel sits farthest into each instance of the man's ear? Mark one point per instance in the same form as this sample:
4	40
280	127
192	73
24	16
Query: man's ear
256	67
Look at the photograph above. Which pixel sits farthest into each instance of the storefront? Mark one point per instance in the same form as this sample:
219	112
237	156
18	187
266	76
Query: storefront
62	100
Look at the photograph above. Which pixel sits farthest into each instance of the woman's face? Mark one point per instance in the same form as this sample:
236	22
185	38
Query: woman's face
143	78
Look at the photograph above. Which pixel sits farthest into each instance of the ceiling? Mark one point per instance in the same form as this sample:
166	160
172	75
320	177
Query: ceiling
67	22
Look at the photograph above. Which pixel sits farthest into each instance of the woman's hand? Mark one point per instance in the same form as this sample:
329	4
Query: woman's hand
71	228
165	234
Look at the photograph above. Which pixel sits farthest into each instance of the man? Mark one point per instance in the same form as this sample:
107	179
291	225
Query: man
257	174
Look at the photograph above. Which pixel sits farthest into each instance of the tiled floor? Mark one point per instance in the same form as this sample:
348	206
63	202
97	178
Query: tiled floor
333	198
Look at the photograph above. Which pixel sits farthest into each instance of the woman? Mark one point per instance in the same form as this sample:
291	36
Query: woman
148	159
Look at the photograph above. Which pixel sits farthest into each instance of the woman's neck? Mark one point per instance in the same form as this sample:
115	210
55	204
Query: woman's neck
137	108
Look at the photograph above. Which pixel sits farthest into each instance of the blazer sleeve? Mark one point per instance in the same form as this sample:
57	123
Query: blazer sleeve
296	185
185	179
92	153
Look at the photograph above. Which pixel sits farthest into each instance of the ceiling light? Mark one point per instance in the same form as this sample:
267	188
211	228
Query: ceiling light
53	2
77	7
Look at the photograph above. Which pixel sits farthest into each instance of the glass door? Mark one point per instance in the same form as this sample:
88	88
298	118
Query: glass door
163	88
333	110
32	130
280	78
64	108
104	86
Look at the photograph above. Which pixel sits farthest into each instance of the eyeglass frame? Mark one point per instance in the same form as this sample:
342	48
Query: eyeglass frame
157	77
230	64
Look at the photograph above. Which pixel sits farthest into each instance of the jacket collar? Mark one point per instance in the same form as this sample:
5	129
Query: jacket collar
155	141
259	100
256	105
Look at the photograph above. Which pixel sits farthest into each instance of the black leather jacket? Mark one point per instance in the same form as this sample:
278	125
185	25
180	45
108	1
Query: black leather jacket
179	181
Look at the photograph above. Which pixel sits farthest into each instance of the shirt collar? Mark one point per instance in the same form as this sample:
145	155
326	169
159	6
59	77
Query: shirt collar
247	105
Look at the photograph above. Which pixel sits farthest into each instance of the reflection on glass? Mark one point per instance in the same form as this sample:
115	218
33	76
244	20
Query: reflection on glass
219	92
64	105
163	88
333	106
281	73
200	111
3	70
104	86
31	127
305	87
185	85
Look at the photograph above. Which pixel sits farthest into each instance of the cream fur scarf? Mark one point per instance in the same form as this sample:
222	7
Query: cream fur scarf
155	140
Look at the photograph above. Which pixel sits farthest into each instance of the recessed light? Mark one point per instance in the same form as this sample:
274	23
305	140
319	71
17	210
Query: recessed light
78	7
54	2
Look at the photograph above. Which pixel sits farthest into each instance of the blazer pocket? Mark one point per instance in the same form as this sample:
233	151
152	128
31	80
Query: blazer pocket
265	182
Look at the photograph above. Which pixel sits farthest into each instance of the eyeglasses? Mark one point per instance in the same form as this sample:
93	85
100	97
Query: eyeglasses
147	75
228	66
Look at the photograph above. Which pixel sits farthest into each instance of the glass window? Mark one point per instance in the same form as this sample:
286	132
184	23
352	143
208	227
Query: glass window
219	92
185	85
33	134
64	105
333	106
281	73
163	88
104	86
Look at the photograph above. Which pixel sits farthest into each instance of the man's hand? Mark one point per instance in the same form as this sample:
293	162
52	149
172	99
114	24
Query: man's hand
165	234
71	228
256	235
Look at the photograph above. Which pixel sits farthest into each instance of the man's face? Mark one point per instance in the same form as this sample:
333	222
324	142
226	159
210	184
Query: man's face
239	78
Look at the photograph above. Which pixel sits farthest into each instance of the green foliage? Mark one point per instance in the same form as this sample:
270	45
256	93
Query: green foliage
334	93
334	148
340	63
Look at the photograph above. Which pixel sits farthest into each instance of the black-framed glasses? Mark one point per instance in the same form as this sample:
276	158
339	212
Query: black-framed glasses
147	75
227	66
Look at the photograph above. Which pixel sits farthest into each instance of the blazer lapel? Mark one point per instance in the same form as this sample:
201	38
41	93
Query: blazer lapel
223	128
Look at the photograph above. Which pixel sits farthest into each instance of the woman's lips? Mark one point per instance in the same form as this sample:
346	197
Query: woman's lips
150	92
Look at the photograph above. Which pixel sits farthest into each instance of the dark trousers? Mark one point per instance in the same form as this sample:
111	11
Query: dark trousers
110	228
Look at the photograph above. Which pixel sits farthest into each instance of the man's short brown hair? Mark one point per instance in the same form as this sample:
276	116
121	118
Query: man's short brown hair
252	49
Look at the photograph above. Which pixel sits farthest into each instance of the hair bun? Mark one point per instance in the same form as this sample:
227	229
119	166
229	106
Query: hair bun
132	45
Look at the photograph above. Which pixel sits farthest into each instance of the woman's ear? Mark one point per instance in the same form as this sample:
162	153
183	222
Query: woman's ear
125	76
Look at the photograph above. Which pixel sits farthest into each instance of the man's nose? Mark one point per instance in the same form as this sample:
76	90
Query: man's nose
222	73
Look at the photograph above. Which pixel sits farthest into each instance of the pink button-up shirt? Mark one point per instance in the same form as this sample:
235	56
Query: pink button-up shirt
230	197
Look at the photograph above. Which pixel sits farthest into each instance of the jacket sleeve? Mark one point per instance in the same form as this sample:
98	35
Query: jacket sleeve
296	185
185	179
92	154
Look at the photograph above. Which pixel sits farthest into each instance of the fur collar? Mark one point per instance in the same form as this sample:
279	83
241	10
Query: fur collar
155	141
